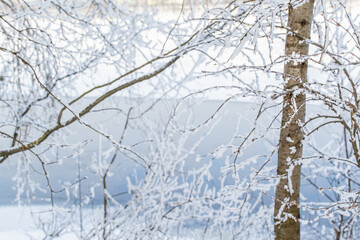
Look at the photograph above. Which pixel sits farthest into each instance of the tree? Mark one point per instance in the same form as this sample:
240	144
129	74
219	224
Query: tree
287	196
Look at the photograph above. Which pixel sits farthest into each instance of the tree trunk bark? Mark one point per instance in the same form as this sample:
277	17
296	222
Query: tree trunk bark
287	212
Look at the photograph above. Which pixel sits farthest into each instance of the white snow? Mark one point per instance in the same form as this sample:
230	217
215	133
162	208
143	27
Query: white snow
17	223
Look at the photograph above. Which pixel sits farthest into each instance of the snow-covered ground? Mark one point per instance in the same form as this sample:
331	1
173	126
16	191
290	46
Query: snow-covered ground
17	223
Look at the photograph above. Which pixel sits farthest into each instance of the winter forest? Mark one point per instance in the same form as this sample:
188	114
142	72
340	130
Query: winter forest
180	119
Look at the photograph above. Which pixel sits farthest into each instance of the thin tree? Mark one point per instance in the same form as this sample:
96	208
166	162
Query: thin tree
287	212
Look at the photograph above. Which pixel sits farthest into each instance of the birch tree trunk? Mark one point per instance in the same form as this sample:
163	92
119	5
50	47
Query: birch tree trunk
287	212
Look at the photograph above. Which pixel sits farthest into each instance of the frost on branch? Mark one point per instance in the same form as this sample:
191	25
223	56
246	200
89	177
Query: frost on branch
166	165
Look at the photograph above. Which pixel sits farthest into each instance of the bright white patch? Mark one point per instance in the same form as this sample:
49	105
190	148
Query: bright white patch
292	150
290	171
